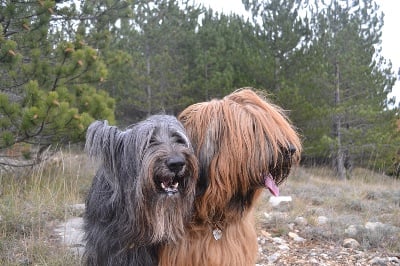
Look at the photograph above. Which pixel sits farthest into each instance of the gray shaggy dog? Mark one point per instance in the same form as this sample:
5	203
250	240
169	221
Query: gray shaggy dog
142	194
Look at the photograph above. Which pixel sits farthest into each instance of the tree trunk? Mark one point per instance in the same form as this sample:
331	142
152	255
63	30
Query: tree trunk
148	87
277	85
340	169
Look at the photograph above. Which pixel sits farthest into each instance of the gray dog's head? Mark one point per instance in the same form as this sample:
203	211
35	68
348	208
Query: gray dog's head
150	167
156	150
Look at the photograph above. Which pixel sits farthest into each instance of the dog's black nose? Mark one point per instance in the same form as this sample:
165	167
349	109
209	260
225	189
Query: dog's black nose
175	163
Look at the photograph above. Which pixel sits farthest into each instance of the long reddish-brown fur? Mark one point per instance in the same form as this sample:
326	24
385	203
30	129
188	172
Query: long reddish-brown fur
238	140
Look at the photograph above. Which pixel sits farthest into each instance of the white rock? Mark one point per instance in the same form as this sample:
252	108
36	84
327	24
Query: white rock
71	234
394	259
275	201
300	220
296	237
378	261
267	216
321	220
278	240
283	247
274	257
374	225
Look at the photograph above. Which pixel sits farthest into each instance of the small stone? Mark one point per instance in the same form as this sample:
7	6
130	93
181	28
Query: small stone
323	255
378	261
268	216
275	201
71	234
274	257
278	240
283	247
300	221
321	220
350	243
394	260
296	237
265	234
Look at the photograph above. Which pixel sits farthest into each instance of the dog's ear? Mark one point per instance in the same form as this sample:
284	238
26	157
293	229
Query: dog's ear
103	142
205	154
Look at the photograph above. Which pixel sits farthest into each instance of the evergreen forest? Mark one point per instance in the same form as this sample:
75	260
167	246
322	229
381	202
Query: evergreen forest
66	63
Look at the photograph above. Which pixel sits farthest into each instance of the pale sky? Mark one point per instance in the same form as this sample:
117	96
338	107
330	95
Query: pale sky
390	31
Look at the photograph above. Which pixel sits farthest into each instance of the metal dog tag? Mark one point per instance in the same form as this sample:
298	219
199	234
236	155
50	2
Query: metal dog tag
217	233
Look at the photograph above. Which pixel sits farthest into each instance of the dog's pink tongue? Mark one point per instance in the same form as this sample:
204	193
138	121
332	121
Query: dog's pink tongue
270	184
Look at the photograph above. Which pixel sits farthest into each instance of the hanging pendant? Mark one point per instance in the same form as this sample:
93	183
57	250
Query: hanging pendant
217	233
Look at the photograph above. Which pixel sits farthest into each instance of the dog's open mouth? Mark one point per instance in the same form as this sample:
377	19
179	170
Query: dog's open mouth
271	185
280	171
170	187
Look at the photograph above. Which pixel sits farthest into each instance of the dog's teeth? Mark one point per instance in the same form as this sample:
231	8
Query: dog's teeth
163	186
175	185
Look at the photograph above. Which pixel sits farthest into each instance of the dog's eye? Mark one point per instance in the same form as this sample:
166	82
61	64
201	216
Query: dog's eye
181	141
178	139
152	140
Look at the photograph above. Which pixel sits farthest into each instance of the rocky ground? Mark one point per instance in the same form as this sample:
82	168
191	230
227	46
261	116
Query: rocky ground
70	232
297	246
290	248
295	250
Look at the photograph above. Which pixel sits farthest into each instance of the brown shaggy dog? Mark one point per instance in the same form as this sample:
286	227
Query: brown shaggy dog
244	144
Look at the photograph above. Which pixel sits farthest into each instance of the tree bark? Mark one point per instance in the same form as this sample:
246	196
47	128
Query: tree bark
148	87
340	168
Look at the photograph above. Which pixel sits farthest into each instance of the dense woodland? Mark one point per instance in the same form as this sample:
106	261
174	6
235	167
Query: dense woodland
65	63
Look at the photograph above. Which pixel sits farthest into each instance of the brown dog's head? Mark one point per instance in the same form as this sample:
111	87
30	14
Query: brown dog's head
243	143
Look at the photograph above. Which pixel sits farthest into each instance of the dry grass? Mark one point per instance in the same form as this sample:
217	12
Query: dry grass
31	205
366	197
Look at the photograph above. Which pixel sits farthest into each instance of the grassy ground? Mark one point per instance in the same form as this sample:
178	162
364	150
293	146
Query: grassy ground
31	205
367	197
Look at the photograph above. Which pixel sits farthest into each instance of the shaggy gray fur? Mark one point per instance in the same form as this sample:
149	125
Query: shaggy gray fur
142	195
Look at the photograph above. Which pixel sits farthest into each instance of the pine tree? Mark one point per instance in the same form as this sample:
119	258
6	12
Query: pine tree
352	83
328	71
48	92
149	58
282	30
